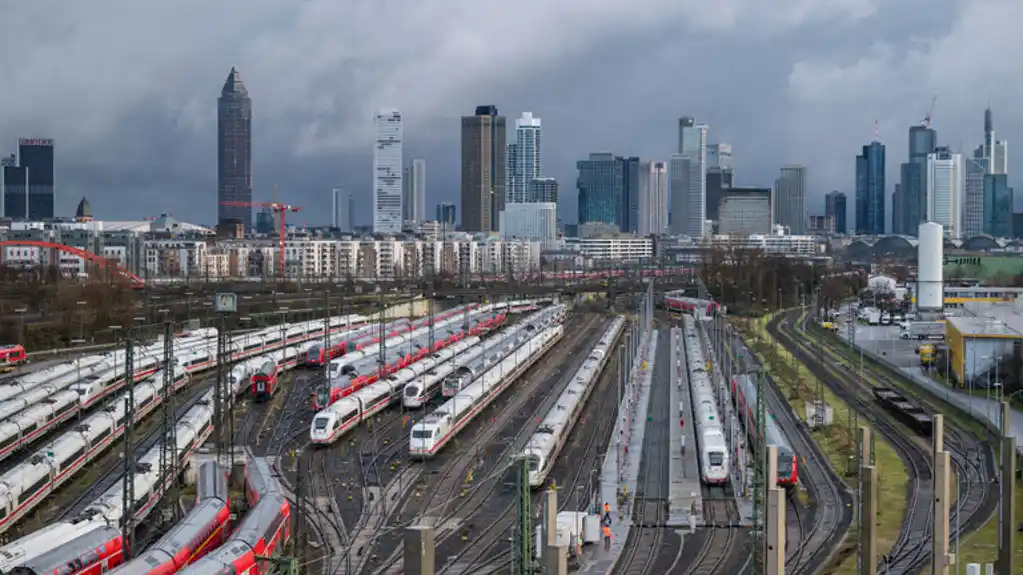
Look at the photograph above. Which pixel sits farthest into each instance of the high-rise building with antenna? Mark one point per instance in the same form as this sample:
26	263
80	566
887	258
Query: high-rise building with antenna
870	188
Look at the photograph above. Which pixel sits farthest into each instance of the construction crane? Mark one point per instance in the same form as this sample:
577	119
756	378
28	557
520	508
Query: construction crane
275	207
930	113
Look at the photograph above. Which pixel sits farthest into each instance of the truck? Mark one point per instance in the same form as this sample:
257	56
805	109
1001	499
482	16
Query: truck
922	330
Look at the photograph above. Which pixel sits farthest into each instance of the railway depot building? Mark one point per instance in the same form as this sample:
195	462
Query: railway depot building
978	345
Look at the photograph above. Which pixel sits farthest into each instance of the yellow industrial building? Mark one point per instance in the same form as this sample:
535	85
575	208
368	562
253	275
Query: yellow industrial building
977	345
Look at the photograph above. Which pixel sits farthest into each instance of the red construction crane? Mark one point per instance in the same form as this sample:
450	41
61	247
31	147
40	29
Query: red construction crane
276	207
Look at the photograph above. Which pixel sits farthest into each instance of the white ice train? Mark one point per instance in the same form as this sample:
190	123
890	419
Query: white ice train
331	423
72	367
545	445
421	390
38	420
431	434
97	526
352	361
29	482
499	348
713	449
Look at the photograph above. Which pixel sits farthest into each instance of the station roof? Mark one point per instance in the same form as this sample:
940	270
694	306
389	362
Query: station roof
1008	326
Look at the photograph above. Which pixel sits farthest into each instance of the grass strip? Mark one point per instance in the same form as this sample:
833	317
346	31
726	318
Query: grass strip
835	440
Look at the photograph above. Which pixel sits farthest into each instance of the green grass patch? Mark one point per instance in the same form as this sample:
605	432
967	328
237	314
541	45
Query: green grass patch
981	546
835	440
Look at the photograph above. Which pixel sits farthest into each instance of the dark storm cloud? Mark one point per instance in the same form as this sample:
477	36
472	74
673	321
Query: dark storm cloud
128	87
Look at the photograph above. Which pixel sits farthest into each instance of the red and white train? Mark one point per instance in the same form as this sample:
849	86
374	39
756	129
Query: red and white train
744	393
265	529
360	369
201	531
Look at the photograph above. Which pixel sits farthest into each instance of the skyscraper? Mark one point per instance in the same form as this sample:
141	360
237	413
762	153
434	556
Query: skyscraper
599	199
719	157
387	166
913	178
653	198
484	169
627	174
870	190
746	211
996	152
525	166
543	190
35	155
446	215
343	205
789	191
834	208
973	196
945	190
998	202
897	209
688	179
234	152
413	182
15	188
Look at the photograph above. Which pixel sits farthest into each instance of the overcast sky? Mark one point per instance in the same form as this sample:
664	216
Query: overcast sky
128	88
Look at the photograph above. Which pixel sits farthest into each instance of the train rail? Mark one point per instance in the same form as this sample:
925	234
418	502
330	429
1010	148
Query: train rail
815	528
976	501
973	462
447	498
495	508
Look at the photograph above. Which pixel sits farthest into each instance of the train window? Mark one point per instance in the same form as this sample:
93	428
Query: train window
716	458
3	513
66	408
422	433
121	420
9	441
35	487
102	436
146	402
350	416
71	459
29	428
321	423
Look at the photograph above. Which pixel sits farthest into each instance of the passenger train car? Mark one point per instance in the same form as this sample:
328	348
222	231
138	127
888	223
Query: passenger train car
26	484
316	355
46	415
713	448
492	354
744	394
435	430
331	423
201	531
64	539
265	529
401	352
264	381
12	356
545	445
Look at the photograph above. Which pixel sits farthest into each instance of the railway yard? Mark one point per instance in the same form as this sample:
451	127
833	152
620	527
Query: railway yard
354	439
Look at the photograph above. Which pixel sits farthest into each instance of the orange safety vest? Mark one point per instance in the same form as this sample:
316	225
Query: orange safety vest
607	531
607	508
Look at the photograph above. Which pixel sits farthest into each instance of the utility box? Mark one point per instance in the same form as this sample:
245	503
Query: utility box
819	413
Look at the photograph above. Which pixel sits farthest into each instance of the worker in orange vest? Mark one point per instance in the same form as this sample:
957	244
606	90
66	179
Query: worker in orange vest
607	537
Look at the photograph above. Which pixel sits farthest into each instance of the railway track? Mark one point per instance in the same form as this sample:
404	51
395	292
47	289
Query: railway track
651	547
977	500
497	508
817	527
443	480
972	457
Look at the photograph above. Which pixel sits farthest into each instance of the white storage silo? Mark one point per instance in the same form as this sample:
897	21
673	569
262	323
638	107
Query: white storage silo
930	254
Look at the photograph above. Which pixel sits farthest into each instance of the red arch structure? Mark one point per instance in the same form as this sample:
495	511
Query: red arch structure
89	256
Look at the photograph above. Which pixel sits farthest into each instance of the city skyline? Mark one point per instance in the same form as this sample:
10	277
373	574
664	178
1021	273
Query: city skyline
310	129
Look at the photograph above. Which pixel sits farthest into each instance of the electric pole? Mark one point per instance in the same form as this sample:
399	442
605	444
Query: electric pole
522	553
128	486
224	304
759	480
168	446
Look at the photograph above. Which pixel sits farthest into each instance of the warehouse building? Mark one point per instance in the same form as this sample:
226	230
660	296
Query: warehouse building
978	345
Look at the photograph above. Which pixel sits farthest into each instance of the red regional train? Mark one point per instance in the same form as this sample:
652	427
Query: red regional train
744	393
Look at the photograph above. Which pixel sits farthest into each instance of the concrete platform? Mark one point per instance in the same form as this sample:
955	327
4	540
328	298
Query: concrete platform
685	502
620	471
